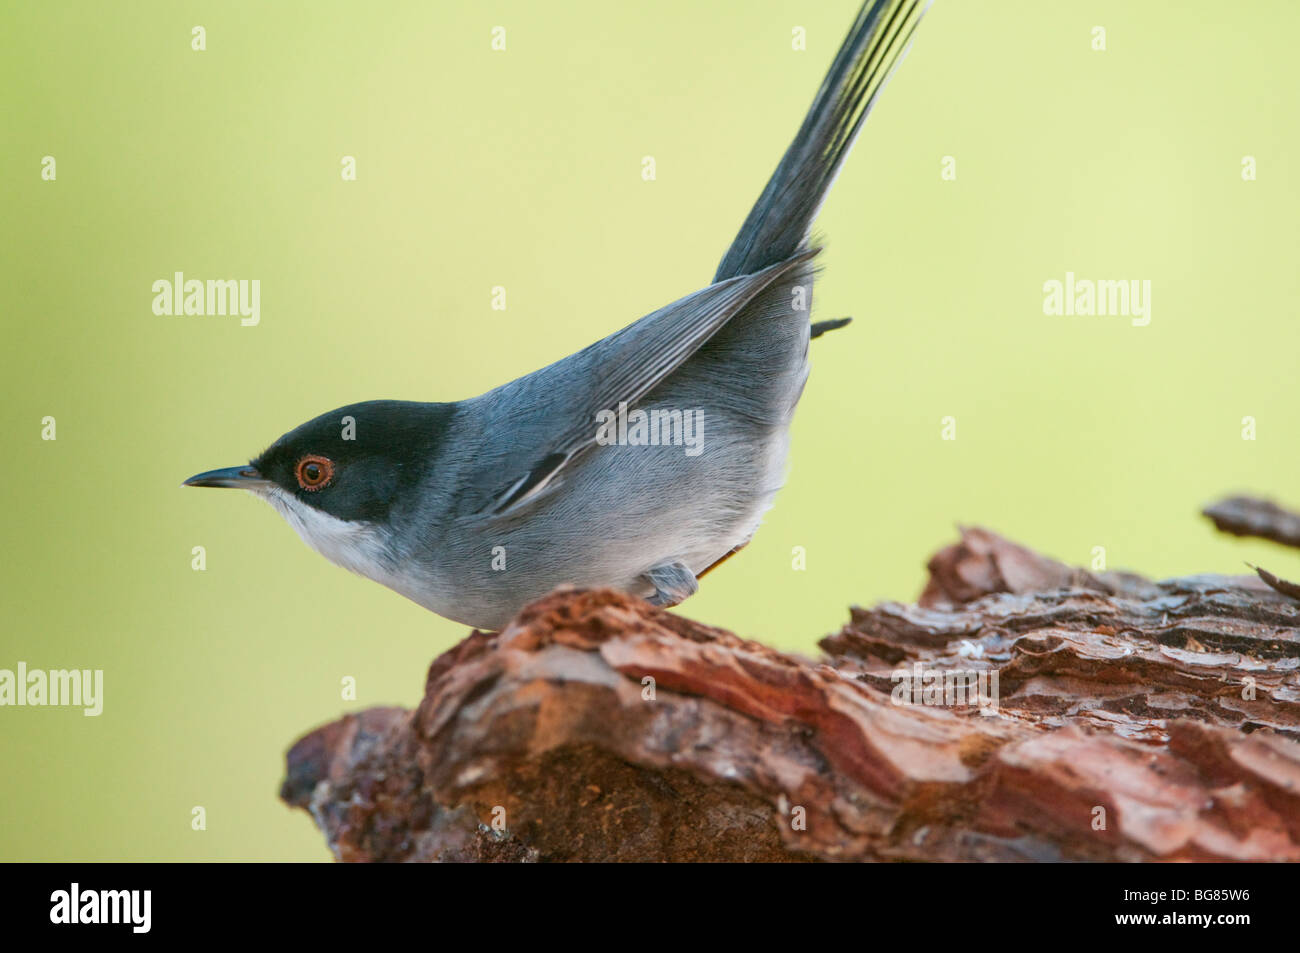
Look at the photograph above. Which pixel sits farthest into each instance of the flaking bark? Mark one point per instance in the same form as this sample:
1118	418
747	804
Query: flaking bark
1134	720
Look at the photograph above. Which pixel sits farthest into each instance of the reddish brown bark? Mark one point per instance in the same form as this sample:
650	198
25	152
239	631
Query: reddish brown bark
1133	721
1248	516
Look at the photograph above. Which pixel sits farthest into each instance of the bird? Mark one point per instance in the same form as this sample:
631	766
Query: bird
638	463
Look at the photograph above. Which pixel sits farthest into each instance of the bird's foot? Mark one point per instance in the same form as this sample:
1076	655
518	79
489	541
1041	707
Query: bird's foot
673	583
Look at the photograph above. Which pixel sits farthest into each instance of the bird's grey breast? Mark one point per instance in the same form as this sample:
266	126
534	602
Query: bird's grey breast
691	490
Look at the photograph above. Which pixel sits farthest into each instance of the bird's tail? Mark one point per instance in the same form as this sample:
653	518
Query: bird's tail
777	226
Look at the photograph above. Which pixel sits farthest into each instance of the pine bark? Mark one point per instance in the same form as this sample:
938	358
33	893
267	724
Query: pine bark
1132	720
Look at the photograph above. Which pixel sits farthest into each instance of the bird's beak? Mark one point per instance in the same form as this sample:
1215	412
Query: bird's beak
239	478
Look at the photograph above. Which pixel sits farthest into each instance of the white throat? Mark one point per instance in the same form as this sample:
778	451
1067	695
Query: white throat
355	545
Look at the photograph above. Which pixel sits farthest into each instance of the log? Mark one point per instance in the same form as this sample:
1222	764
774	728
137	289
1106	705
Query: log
1021	710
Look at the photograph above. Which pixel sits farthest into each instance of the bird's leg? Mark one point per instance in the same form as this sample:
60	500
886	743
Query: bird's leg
673	583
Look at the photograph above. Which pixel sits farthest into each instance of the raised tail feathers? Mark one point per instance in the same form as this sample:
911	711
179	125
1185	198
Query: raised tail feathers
778	224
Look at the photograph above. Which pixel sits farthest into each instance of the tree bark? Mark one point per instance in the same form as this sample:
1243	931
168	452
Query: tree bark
1111	718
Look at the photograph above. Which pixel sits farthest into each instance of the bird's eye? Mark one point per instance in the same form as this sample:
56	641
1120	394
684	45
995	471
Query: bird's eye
315	472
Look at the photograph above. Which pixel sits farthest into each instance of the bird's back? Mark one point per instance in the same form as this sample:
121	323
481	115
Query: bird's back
607	514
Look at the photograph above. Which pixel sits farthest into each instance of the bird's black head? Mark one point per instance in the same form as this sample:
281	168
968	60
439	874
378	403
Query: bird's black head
352	463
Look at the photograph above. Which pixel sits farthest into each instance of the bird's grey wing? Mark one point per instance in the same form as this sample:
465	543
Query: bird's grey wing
623	367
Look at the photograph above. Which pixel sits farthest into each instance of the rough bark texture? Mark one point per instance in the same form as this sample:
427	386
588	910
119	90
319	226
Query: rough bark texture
1129	720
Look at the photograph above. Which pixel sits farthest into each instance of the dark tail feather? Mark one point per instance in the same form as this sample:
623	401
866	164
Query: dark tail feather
821	327
778	224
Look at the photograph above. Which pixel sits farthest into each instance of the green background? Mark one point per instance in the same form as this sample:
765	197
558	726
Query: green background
523	169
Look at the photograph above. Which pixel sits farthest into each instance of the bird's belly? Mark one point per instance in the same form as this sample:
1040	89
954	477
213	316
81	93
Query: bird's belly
622	510
624	507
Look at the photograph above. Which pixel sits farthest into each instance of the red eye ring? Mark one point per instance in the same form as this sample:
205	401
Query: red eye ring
314	472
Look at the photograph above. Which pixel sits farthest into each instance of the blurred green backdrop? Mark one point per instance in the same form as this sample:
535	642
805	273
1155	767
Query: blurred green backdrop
523	169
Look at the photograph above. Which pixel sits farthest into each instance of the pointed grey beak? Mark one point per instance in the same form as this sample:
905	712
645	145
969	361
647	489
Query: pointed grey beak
239	478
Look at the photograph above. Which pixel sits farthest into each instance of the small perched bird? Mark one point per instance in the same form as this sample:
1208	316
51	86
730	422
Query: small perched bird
639	462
